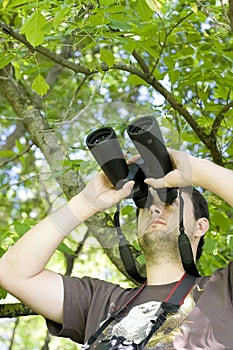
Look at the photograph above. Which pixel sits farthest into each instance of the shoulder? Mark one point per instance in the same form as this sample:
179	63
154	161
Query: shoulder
222	277
219	283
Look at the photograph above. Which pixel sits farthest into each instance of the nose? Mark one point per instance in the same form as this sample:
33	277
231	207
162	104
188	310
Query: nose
154	209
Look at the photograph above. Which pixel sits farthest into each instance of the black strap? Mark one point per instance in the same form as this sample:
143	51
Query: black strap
125	252
170	304
185	248
94	336
164	310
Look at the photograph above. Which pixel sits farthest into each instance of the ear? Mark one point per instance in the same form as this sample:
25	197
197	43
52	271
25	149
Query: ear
202	226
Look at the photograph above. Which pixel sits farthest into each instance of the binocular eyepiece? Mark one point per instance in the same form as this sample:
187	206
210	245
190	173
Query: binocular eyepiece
154	161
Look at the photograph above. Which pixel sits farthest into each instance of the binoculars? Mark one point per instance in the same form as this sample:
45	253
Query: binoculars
154	160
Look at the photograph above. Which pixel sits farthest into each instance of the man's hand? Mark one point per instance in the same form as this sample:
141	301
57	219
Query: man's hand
181	176
100	194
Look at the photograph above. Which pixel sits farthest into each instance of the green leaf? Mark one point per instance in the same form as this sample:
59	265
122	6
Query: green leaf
107	2
58	18
107	57
130	46
141	259
135	80
5	59
5	3
128	209
170	63
210	245
121	25
154	5
97	19
230	241
7	153
3	293
15	3
220	219
17	71
21	228
193	6
33	28
189	137
65	249
2	251
39	85
144	10
174	75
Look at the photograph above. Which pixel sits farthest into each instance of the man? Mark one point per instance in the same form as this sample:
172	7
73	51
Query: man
75	307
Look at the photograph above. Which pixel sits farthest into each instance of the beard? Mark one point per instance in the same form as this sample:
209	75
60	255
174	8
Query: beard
160	246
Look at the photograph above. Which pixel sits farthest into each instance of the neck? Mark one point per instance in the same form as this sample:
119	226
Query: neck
164	273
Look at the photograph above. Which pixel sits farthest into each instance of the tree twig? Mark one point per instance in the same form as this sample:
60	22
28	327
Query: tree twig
141	62
16	156
218	120
77	68
13	334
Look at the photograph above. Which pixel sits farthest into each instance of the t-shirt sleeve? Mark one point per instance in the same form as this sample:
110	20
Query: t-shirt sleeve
86	304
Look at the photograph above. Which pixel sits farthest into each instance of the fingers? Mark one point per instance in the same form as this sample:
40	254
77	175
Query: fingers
124	192
172	179
155	183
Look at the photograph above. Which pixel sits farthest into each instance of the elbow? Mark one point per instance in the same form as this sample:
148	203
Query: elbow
6	273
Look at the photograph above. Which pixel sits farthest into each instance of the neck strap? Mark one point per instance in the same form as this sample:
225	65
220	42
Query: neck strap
185	248
171	303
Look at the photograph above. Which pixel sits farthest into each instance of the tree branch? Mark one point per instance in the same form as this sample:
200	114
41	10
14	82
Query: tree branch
141	62
208	140
42	135
230	13
15	310
218	120
16	156
77	68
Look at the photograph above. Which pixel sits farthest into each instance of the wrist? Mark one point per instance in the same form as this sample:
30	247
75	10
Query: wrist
200	168
81	208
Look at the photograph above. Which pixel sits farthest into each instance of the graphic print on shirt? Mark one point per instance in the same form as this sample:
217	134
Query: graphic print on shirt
137	324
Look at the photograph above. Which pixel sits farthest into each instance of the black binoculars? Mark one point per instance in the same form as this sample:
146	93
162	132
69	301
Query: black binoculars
154	160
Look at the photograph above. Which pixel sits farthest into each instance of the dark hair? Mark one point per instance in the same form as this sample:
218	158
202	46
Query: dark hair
200	210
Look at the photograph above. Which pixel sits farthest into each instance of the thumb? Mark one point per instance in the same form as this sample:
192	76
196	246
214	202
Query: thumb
172	179
125	191
155	183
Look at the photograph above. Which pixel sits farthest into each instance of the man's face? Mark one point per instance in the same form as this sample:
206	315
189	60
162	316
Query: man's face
158	225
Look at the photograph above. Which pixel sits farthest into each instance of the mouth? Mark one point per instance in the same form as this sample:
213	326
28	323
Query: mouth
156	222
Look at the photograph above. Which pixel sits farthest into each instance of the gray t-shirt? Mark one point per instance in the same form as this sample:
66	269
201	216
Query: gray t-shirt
204	321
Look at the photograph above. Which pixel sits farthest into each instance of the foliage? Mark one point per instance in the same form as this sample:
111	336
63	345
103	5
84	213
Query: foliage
68	67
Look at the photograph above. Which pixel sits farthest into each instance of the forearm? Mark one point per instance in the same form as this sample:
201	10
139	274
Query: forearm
213	177
31	253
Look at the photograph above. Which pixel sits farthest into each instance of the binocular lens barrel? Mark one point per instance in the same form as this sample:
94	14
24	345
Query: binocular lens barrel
147	138
106	150
100	136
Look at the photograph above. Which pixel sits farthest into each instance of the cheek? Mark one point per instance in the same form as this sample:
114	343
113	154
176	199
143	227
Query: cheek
142	220
140	224
173	222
